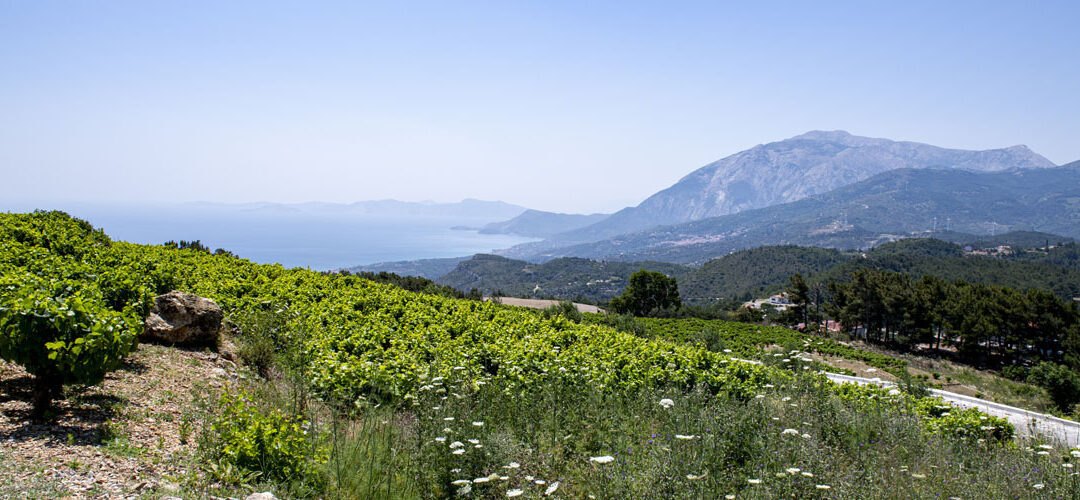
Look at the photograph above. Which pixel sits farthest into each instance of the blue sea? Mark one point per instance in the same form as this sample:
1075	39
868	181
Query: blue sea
320	240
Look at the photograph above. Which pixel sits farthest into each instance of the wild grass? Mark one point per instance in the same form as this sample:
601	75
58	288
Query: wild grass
489	439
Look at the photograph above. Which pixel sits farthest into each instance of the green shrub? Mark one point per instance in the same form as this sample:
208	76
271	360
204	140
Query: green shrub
62	337
1014	372
273	444
565	309
1062	383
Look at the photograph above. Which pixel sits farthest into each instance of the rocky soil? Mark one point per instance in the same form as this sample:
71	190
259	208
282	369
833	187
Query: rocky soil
132	436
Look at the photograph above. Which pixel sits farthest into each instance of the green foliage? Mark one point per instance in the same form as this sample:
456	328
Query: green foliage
570	277
273	444
357	342
757	272
745	340
980	320
1062	383
917	257
414	284
565	309
63	337
650	294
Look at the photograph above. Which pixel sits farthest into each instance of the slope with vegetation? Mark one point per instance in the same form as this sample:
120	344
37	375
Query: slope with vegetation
564	278
372	391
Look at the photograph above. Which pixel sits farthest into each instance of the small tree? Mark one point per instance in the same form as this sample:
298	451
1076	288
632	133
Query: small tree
649	294
62	340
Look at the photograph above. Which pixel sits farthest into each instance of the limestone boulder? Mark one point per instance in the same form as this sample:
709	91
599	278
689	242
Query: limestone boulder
183	318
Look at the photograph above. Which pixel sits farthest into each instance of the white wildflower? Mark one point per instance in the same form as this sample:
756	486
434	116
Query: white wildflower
807	474
1038	486
514	493
684	436
790	431
754	481
551	489
459	451
606	459
793	470
667	403
460	482
692	477
513	465
822	486
478	424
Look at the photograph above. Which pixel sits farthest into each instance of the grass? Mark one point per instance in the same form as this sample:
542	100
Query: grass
702	446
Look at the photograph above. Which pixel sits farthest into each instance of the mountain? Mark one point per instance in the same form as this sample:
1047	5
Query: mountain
541	224
886	207
569	278
423	268
779	172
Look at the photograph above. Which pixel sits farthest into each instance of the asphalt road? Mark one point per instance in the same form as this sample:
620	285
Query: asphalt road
1027	423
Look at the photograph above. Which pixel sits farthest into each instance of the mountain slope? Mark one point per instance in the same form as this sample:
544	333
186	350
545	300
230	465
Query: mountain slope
886	207
541	224
564	278
755	272
784	171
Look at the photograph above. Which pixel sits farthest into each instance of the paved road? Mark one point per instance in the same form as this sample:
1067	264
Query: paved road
1027	423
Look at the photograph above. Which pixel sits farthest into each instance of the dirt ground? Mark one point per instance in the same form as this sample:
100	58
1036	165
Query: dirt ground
132	436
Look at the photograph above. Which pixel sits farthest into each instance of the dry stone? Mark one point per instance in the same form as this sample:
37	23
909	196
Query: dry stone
183	318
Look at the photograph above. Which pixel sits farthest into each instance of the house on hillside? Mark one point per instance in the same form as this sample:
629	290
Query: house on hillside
779	301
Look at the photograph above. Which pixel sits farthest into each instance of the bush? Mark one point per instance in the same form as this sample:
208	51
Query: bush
274	445
565	309
61	339
1062	383
1014	372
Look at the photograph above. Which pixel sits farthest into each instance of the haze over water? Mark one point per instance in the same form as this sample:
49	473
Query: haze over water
293	238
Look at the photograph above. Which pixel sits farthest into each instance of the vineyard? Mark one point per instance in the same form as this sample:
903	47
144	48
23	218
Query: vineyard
363	346
750	341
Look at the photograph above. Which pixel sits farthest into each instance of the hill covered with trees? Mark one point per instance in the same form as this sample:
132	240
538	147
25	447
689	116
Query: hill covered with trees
570	278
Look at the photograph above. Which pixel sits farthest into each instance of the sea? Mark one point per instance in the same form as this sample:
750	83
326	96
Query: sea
321	240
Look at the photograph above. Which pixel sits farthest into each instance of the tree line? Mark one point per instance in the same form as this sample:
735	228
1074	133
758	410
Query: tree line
982	322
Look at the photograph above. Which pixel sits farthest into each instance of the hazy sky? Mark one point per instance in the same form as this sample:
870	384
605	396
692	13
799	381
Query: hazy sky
566	106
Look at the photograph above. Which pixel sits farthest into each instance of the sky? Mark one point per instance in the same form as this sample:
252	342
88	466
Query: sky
569	106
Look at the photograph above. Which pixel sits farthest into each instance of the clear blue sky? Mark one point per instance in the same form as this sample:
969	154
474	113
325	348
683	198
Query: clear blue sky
568	106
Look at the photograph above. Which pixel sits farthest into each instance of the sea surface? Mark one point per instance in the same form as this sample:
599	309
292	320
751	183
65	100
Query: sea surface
319	241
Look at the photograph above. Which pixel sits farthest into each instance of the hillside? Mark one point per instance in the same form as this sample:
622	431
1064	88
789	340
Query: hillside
344	388
762	271
887	207
424	268
568	278
758	272
541	224
918	257
785	171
